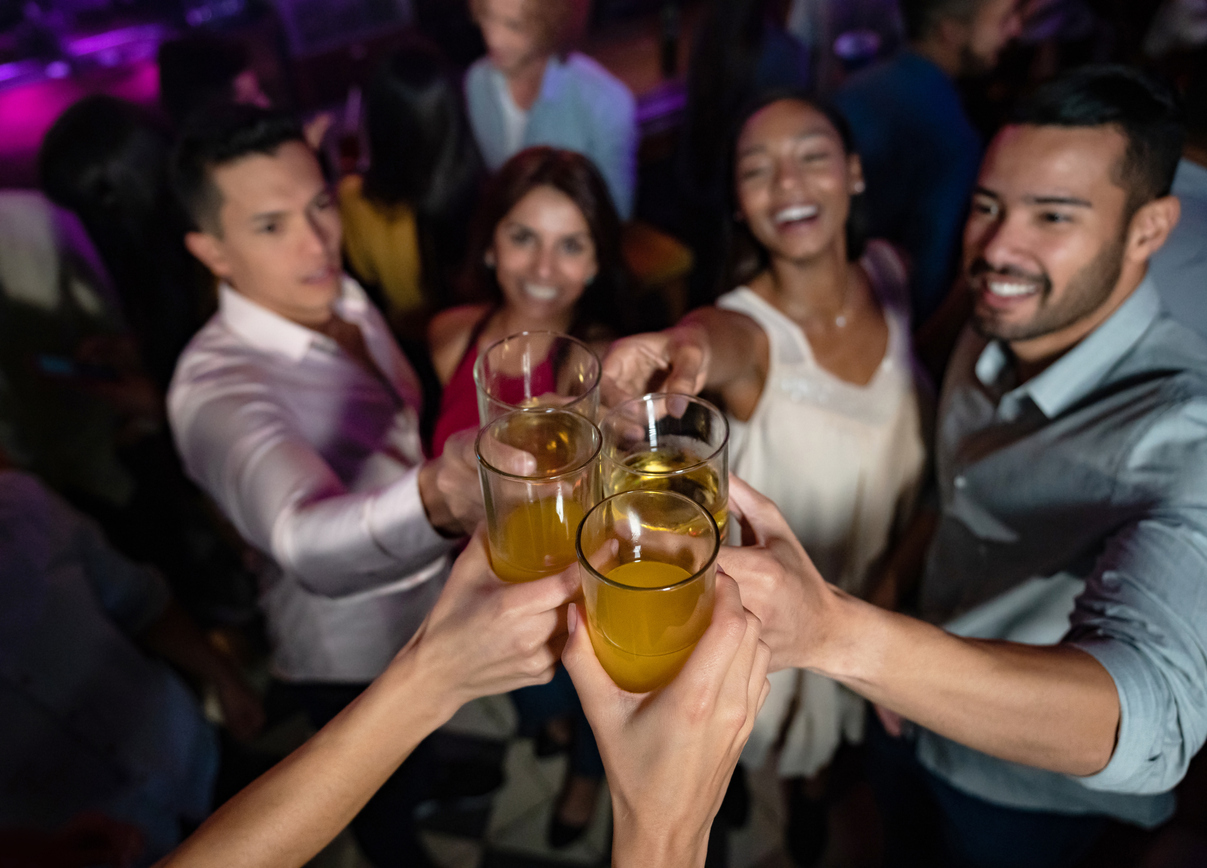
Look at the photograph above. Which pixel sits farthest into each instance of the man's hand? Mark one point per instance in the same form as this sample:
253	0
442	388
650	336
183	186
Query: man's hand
779	583
675	360
450	488
669	754
485	636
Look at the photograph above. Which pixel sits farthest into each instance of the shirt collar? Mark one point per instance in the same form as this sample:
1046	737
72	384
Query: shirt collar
1078	371
257	325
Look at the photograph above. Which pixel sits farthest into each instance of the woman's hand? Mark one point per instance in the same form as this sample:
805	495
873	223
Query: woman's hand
674	360
485	636
669	754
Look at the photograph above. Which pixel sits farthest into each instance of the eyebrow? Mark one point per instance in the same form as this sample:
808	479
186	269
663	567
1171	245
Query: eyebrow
1072	201
268	215
812	134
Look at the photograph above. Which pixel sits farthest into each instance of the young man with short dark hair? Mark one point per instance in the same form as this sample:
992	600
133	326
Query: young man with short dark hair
295	410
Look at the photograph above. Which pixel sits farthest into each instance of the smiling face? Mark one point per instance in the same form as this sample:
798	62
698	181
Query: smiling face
1046	238
543	255
794	181
279	243
511	34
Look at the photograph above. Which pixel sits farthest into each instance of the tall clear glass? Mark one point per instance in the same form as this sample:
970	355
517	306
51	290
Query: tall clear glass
537	369
669	442
648	561
539	472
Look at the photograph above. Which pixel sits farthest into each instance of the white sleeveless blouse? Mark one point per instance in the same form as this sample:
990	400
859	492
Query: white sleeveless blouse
844	464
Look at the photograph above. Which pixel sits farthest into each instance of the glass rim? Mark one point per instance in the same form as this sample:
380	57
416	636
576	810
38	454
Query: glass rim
479	365
679	471
534	411
712	558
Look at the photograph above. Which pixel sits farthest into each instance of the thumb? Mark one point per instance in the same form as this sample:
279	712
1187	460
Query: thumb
593	684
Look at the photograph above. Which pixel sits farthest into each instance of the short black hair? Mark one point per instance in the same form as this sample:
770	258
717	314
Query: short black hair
921	17
217	137
1142	108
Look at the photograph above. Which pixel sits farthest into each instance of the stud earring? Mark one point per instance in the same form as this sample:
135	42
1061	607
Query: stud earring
859	187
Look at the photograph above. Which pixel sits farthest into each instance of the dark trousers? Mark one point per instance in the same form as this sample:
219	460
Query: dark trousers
930	824
385	827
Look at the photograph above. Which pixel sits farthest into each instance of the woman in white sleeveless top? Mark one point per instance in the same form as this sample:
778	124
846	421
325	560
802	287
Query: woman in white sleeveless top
811	358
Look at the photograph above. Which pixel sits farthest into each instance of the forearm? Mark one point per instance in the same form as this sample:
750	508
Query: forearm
1052	707
288	814
344	544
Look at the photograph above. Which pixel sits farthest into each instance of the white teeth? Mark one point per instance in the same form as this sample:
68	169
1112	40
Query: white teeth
540	293
1011	290
796	212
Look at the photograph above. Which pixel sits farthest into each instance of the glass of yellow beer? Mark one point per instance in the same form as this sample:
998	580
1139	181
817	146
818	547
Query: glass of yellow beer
648	561
669	442
539	472
537	369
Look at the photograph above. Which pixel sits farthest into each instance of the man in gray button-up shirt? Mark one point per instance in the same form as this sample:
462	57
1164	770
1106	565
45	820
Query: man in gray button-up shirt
1069	566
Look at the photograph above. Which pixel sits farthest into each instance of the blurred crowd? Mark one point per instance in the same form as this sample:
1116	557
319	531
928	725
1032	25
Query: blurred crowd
941	263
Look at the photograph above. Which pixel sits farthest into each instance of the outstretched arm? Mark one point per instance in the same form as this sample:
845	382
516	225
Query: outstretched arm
1054	707
709	348
482	637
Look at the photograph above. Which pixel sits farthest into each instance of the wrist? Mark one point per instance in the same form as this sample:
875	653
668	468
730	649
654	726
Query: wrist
635	846
425	672
435	504
848	643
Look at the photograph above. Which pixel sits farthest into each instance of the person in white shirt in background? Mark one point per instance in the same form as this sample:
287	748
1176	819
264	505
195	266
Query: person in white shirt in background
531	89
294	409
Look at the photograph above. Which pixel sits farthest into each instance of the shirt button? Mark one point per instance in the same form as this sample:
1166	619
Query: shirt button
960	482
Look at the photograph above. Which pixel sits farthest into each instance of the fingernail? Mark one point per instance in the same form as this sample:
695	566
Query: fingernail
571	619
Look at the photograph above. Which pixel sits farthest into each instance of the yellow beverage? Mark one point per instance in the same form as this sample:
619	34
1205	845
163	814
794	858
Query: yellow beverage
642	638
656	471
535	539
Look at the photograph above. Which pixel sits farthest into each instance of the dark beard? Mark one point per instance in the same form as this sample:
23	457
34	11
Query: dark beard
1088	289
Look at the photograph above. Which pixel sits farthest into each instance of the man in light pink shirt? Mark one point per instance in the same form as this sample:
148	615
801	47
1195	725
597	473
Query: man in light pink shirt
295	410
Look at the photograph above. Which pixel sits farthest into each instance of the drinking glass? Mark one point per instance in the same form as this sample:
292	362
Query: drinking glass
539	471
669	442
537	369
648	562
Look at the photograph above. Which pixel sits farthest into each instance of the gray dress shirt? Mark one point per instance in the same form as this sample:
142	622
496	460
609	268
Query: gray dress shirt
1074	510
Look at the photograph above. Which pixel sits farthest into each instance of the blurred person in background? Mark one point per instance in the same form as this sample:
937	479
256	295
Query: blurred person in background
741	50
814	344
532	89
97	734
406	219
295	410
1179	269
545	251
920	152
106	160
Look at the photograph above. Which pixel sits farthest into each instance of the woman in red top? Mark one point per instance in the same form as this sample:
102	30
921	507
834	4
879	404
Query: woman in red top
545	256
